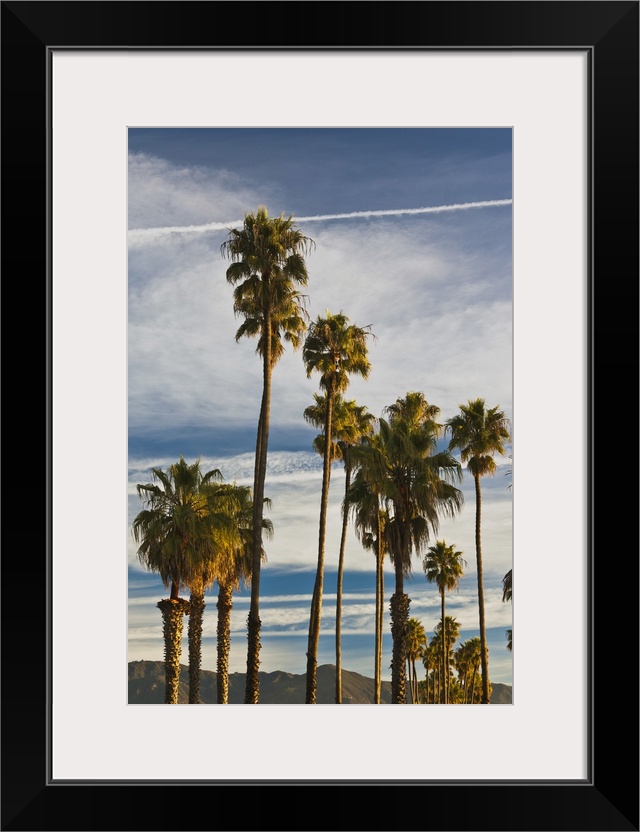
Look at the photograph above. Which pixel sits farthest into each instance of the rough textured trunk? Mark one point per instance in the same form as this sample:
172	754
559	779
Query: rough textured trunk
316	601
399	624
252	688
223	633
343	541
173	612
484	650
196	613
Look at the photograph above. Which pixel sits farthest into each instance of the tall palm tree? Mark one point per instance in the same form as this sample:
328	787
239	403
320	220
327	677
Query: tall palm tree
337	350
418	489
443	565
416	643
371	520
479	433
175	537
233	568
351	422
267	269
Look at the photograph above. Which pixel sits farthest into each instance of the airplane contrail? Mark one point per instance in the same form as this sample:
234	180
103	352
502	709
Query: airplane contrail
142	233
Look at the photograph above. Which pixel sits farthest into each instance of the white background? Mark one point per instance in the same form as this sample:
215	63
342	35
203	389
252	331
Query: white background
96	97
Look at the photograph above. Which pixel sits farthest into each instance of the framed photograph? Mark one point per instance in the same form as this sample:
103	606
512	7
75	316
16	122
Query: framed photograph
91	91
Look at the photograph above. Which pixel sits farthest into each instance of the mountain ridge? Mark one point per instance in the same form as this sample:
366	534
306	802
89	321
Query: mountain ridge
277	687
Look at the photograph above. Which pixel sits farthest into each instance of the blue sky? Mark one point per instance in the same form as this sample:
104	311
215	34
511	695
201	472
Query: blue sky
436	288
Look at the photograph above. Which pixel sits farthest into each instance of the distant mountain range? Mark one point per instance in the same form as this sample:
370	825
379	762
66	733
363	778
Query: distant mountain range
146	687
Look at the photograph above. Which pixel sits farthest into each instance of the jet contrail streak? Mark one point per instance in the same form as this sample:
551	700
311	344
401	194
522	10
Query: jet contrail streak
139	233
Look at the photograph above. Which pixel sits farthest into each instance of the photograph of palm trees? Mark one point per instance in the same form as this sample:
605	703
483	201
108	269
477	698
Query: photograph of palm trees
320	415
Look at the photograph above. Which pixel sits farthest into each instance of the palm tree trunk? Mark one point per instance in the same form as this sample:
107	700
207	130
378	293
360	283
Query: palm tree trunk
445	669
399	623
196	613
484	650
379	613
473	684
223	633
173	612
343	540
252	687
316	601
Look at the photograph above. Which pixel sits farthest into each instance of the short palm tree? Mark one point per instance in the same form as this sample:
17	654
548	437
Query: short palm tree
443	565
507	595
435	649
430	662
336	349
446	635
174	533
416	643
418	489
467	662
233	569
474	660
479	433
267	270
223	535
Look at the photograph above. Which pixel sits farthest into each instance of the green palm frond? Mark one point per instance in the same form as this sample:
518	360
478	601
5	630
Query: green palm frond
479	433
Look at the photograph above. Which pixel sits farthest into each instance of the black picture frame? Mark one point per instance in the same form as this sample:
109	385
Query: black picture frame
608	800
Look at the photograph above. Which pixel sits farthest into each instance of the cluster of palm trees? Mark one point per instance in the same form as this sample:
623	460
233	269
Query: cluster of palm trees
399	481
195	530
443	566
465	688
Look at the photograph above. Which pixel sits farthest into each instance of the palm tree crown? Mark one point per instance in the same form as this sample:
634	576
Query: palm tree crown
175	531
479	433
337	350
443	565
267	270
